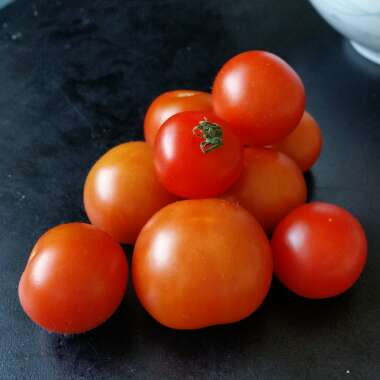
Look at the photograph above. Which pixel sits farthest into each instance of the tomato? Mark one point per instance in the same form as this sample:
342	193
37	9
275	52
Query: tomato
304	144
260	95
199	263
74	280
319	250
122	191
197	155
170	103
270	186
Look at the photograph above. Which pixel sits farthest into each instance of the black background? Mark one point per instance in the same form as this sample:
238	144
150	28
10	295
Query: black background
76	78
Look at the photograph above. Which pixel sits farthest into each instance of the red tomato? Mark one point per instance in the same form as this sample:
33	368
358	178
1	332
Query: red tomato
269	187
199	263
170	103
260	95
74	280
122	191
304	143
319	250
197	155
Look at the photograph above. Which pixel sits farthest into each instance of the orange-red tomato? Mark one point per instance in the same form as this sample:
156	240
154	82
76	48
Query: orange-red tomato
270	186
74	280
170	103
319	250
304	144
122	191
260	96
201	262
190	162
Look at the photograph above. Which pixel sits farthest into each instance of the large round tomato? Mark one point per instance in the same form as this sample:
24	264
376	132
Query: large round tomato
270	186
304	143
201	262
197	155
319	250
122	191
74	280
260	95
170	103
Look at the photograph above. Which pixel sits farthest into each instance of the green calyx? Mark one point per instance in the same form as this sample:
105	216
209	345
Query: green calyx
210	133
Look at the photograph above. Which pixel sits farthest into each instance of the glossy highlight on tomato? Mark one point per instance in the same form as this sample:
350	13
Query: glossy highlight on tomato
260	96
319	250
74	280
122	191
197	155
170	103
199	263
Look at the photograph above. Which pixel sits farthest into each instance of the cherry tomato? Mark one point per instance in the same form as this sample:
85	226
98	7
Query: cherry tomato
170	103
122	191
197	155
304	144
270	186
199	263
74	280
260	95
319	250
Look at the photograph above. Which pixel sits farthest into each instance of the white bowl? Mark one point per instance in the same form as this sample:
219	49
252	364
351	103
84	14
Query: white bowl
357	20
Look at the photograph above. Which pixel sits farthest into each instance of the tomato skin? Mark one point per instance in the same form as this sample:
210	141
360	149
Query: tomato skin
319	250
170	103
74	280
199	263
270	186
184	169
304	144
122	191
260	95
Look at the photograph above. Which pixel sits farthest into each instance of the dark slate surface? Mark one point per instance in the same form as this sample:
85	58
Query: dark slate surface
76	78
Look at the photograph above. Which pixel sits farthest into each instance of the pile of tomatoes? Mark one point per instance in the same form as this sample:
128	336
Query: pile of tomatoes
217	175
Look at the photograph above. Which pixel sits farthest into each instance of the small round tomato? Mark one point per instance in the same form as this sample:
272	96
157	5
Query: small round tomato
197	155
260	95
74	280
270	186
319	250
122	191
199	263
304	144
170	103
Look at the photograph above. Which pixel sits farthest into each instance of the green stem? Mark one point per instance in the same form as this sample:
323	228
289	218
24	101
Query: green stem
210	133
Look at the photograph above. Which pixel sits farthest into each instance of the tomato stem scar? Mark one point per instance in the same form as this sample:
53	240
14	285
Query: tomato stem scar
211	133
